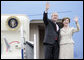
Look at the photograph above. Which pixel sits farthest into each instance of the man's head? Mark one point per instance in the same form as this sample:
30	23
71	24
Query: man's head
54	16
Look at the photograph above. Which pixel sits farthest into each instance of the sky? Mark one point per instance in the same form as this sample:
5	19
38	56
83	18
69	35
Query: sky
35	9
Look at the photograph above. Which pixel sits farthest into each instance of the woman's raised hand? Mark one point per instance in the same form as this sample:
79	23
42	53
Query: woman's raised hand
76	19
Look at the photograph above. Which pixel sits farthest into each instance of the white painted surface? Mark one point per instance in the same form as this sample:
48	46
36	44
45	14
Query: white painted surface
35	46
13	36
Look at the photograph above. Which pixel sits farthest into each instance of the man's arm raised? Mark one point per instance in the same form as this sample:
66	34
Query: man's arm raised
45	16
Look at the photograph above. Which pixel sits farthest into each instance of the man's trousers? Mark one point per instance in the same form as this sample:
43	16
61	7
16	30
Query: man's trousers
51	51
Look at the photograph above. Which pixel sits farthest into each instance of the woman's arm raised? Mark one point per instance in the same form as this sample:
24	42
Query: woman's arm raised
77	25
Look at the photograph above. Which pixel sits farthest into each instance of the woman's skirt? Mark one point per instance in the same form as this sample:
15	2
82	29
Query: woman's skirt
66	51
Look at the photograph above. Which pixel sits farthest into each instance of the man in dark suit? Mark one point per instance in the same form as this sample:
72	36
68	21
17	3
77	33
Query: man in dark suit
51	39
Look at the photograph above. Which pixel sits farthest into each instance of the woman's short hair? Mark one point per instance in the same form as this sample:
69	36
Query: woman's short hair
65	19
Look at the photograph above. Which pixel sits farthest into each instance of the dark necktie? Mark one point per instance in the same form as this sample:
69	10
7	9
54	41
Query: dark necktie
56	28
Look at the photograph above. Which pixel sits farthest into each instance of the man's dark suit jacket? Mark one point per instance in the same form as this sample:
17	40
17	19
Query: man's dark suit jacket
50	31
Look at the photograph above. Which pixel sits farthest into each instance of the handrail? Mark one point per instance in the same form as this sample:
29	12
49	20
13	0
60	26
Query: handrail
30	44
